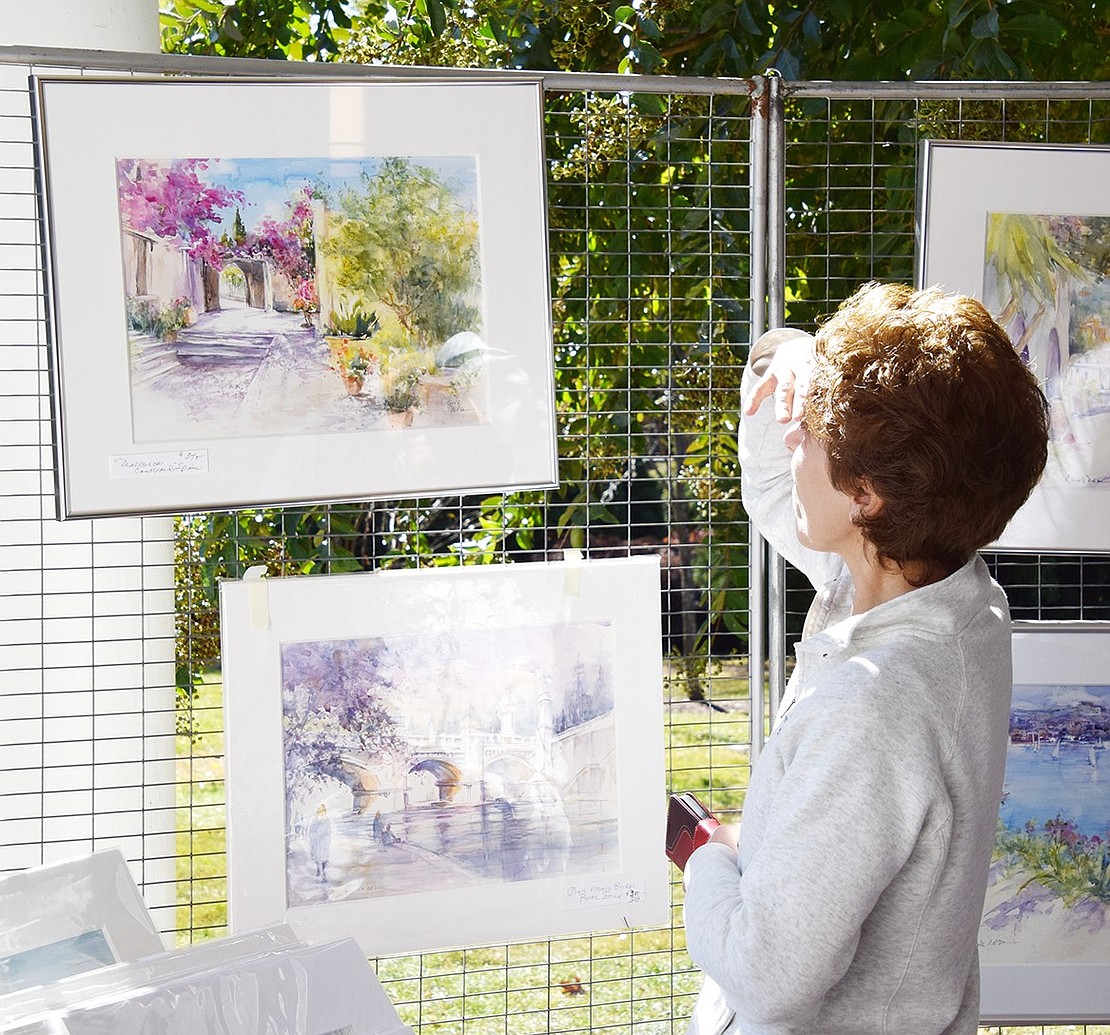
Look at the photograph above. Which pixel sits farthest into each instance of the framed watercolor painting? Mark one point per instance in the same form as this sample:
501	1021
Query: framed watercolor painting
266	292
446	757
1025	228
1044	941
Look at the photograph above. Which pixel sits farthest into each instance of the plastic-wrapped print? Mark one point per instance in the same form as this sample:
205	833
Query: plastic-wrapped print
448	756
115	981
328	988
70	917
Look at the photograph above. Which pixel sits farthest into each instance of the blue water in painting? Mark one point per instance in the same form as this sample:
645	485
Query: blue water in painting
1040	787
57	960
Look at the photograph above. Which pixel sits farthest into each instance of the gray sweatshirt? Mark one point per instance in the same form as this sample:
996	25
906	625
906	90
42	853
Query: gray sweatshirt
854	906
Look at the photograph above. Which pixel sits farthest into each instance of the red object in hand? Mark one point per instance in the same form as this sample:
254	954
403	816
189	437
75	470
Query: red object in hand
689	825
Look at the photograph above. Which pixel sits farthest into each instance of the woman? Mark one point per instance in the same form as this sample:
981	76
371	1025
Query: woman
878	458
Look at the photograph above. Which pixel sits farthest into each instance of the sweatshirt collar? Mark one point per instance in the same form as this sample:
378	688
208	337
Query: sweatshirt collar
940	609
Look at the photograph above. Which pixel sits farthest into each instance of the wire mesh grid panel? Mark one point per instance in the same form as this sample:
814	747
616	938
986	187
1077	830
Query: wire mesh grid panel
86	637
111	702
851	177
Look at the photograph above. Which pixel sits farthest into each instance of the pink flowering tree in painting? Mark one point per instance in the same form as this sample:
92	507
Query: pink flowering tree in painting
177	203
287	243
174	203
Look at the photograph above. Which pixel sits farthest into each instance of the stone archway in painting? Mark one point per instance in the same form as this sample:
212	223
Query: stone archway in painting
258	291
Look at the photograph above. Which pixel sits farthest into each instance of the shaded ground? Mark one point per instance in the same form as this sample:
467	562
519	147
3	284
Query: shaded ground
240	372
444	849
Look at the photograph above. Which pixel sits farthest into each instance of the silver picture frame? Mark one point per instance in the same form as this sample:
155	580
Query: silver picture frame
266	292
1044	940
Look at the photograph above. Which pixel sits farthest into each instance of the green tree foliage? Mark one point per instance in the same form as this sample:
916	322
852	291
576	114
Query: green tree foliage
834	39
403	241
305	30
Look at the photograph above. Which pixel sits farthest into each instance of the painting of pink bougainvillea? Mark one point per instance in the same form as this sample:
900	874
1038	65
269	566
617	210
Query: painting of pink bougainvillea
319	295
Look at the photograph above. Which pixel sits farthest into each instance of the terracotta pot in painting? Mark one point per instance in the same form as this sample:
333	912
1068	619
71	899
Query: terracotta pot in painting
400	418
352	382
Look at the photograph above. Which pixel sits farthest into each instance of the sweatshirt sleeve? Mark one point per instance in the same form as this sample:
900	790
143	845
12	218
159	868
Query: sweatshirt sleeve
779	932
766	487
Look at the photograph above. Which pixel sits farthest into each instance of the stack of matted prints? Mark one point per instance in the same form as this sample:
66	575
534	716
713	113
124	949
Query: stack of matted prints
79	953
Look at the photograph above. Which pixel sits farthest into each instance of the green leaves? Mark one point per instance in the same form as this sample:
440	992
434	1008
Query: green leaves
298	29
436	12
946	39
986	26
1039	29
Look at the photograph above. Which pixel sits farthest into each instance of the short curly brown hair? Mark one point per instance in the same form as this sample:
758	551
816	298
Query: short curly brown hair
920	397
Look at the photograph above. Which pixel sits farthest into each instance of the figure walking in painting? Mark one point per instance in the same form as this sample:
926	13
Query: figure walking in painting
878	457
319	841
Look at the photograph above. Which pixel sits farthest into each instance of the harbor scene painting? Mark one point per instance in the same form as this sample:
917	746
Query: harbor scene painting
425	762
1049	894
270	296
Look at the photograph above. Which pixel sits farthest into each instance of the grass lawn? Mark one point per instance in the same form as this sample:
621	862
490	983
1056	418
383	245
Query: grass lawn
201	819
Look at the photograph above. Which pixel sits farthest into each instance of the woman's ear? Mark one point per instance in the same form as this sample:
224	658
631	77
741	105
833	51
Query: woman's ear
866	503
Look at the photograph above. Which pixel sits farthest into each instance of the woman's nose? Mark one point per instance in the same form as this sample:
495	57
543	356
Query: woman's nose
792	437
